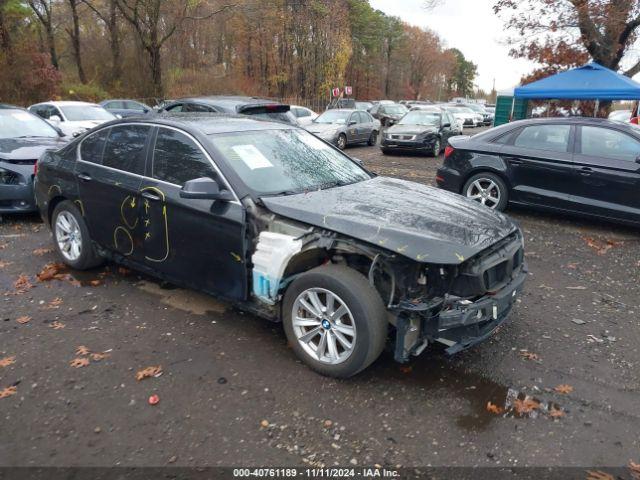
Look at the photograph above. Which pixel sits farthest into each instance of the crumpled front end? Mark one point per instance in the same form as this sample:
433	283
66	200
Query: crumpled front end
477	299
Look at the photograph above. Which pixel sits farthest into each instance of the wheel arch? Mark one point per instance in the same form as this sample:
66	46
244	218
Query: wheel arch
53	203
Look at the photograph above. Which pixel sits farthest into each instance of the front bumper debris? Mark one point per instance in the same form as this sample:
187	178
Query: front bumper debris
456	323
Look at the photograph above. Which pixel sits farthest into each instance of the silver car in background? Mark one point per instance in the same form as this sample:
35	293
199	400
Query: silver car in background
342	127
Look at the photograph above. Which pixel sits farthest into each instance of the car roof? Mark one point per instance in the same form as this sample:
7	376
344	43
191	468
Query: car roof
64	103
343	110
6	106
229	101
119	100
210	123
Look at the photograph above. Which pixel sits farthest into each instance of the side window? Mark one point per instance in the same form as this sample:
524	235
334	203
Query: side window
134	106
92	147
362	118
607	143
554	138
197	108
117	104
54	111
175	108
41	111
125	148
374	109
177	159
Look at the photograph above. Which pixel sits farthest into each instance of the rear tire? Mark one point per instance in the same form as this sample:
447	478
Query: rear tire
71	237
496	195
364	315
373	138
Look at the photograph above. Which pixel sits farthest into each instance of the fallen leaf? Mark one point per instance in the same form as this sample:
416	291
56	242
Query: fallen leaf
50	271
149	372
601	247
530	355
6	361
556	412
82	350
42	251
492	408
5	264
264	423
564	389
24	319
634	469
99	356
22	285
55	303
527	405
95	283
79	362
598	475
124	271
7	392
3	246
406	368
57	325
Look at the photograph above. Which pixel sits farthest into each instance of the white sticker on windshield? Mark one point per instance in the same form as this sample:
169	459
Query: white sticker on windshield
21	116
252	157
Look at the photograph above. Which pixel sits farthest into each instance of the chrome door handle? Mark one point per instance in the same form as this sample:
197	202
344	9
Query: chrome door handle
84	177
586	171
150	196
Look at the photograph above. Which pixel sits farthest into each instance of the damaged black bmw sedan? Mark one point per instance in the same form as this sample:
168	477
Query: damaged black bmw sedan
284	225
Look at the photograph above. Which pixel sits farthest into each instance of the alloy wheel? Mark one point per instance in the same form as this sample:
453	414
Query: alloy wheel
484	191
342	142
324	326
68	236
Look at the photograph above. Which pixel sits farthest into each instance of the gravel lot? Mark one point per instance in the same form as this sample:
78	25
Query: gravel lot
232	392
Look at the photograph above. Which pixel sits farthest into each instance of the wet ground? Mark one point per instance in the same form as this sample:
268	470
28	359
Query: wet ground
561	378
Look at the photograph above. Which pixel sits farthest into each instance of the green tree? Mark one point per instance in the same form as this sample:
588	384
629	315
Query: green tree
465	72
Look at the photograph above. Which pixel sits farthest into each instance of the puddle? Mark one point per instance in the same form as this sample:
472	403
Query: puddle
439	376
185	300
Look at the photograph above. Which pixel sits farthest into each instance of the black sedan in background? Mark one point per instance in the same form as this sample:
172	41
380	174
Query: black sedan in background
388	114
419	131
587	166
23	138
126	108
233	104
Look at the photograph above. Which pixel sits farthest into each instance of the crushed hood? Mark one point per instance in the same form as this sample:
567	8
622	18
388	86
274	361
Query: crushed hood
419	222
28	148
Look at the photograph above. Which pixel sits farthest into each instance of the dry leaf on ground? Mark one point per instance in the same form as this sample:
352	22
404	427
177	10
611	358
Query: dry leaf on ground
23	319
598	475
22	285
55	303
634	469
149	372
4	264
99	356
42	251
564	389
406	368
50	271
7	392
492	408
6	361
57	325
82	350
601	247
3	246
79	362
530	355
527	405
556	412
95	283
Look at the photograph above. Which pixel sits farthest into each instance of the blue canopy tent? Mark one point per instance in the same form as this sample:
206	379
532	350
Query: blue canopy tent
589	82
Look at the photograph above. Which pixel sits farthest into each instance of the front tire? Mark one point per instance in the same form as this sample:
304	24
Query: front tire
373	138
436	148
71	237
488	189
342	141
334	320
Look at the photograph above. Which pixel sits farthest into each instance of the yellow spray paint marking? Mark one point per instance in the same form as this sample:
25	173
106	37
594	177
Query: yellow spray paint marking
166	223
147	222
460	257
382	242
52	187
133	202
128	201
422	256
79	202
236	257
115	239
147	236
402	249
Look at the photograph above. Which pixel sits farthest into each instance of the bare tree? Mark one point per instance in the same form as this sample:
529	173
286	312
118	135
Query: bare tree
43	10
110	20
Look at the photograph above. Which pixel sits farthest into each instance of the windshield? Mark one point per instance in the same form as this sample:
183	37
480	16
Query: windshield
363	105
79	113
21	124
286	161
462	110
333	116
477	108
418	117
394	109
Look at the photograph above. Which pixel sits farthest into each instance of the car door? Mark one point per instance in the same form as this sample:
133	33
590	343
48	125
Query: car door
366	126
199	243
607	173
109	170
540	165
446	132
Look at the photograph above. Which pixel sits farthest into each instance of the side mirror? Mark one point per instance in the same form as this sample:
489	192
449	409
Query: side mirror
55	119
204	189
446	125
352	122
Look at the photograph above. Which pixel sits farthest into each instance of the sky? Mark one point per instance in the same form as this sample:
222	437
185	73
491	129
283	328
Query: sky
471	27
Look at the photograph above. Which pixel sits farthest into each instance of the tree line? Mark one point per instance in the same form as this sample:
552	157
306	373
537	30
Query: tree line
93	49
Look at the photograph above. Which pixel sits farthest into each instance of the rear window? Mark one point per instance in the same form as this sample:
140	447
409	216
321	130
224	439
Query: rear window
553	138
92	147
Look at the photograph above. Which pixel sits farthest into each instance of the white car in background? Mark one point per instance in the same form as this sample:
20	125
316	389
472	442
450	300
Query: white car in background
73	118
620	116
304	115
468	117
